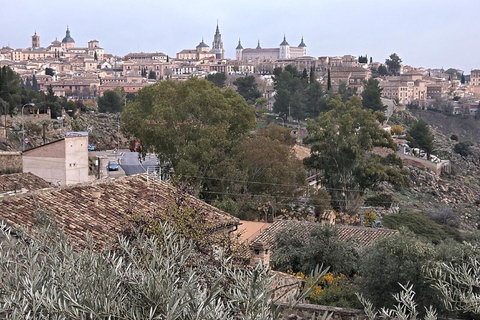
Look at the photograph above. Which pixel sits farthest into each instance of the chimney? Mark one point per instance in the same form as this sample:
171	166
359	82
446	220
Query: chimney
96	196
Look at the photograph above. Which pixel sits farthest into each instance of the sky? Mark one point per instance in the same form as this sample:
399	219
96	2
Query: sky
424	33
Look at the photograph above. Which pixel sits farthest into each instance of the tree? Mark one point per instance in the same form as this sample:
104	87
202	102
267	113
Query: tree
371	96
191	126
394	64
111	101
419	136
270	169
462	79
459	282
95	57
34	83
342	142
290	87
152	75
49	72
392	261
299	252
10	88
247	87
329	81
396	129
44	276
382	70
463	148
218	79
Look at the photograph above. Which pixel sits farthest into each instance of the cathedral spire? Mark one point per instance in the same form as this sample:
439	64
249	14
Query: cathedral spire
258	45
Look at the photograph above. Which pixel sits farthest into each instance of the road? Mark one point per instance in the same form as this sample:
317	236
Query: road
128	161
131	165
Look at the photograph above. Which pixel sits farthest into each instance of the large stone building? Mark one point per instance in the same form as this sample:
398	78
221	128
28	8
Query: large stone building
203	51
259	54
64	49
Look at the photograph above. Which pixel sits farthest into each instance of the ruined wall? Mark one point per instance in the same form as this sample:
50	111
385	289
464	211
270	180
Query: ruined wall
10	162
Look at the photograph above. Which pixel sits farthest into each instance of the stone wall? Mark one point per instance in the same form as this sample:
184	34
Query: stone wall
306	311
10	162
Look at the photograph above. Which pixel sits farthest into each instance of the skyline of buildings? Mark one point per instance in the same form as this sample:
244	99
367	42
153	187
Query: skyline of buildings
430	33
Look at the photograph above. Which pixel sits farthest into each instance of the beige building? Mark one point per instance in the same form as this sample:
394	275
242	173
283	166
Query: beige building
61	162
352	76
406	89
259	54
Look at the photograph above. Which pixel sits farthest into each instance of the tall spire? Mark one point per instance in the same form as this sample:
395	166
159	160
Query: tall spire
239	47
258	45
302	44
218	29
284	42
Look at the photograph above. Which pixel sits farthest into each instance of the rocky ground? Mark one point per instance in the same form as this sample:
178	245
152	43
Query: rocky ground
459	191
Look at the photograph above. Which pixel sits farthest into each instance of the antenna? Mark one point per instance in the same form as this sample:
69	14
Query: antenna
153	173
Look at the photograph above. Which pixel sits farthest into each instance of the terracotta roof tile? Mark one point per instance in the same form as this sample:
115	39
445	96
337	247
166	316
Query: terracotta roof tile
360	236
20	182
75	210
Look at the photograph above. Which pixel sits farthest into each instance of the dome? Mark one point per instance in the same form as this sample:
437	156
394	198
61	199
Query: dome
202	45
68	38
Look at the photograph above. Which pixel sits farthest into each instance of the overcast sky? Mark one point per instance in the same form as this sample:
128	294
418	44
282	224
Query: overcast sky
428	33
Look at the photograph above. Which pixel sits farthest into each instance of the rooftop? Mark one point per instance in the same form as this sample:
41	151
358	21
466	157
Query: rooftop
102	207
360	236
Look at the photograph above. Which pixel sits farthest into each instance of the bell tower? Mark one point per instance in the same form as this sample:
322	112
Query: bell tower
217	45
35	41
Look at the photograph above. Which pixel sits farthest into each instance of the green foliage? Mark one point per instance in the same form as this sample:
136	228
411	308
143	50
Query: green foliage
49	72
218	79
342	142
379	200
371	96
394	64
111	101
405	308
192	127
291	87
149	278
382	70
152	75
419	136
10	88
421	225
296	251
463	148
247	87
458	282
345	91
393	260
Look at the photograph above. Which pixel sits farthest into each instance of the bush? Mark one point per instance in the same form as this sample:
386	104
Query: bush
454	137
421	225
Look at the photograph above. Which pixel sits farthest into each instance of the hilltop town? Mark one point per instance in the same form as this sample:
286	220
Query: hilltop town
269	165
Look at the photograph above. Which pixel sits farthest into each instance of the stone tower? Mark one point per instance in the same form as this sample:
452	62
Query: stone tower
239	50
35	41
217	45
304	47
284	49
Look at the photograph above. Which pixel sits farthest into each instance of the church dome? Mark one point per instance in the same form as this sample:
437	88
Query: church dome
68	38
202	45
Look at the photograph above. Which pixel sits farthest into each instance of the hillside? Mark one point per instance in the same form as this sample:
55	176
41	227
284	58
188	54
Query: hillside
454	195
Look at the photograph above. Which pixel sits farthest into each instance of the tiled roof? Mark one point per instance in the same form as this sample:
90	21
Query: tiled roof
74	208
21	182
360	236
